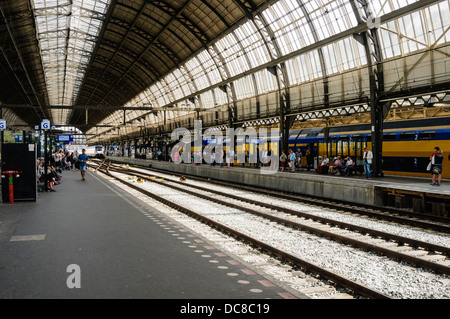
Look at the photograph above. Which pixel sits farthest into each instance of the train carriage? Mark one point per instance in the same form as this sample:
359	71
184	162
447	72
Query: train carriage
407	145
95	151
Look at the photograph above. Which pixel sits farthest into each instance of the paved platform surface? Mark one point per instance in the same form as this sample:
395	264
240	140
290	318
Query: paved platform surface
118	247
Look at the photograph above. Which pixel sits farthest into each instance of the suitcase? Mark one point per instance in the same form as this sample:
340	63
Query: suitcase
322	169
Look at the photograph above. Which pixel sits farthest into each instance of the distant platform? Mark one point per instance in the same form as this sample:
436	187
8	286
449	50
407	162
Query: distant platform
396	191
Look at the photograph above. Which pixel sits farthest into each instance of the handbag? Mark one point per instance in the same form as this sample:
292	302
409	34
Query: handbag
436	170
429	166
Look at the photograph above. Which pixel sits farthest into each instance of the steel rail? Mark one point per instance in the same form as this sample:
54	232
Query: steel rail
363	230
425	221
325	273
419	262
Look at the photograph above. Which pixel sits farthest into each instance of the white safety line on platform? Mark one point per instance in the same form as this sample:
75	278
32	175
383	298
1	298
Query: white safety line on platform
27	237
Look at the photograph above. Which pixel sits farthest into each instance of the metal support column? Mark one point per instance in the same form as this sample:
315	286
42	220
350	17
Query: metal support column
46	159
1	132
370	41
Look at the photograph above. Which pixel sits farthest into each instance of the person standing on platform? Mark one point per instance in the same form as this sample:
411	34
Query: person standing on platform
159	155
213	158
283	159
76	164
368	156
292	160
436	166
309	160
220	156
82	159
299	159
175	157
229	155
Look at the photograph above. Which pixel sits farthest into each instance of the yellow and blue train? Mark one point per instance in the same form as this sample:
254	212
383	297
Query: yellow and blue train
407	145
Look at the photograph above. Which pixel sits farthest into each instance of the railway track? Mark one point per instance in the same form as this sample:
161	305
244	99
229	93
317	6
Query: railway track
389	214
358	288
371	243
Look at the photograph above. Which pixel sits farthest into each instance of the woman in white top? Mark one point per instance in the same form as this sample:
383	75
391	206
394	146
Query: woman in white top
368	156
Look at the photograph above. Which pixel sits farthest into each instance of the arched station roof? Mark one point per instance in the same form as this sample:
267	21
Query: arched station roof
83	62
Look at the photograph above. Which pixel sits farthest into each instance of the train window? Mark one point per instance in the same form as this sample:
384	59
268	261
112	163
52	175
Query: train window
427	135
389	163
389	136
357	137
332	139
369	138
312	134
407	164
408	136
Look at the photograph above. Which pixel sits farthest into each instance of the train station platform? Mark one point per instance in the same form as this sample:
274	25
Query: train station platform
92	240
414	193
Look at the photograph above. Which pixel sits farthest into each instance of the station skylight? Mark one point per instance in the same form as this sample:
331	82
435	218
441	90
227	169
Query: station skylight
67	32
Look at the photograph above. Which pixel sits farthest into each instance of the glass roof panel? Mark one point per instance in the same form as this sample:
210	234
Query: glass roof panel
289	24
232	54
295	24
184	86
253	44
174	86
200	77
210	68
207	99
220	97
245	87
331	17
266	82
381	7
67	33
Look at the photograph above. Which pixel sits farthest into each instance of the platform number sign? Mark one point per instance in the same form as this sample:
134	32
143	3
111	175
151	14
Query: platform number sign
2	124
45	124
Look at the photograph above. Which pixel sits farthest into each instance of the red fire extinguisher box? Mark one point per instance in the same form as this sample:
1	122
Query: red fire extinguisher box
20	158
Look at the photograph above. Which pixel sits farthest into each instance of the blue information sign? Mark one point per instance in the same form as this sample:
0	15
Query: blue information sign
65	138
18	138
45	124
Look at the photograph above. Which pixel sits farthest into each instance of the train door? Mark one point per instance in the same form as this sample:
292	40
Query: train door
343	146
314	151
166	149
322	149
301	143
367	142
275	146
309	148
355	146
333	147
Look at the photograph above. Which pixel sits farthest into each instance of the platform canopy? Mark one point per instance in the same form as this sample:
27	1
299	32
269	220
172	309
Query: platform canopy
102	64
